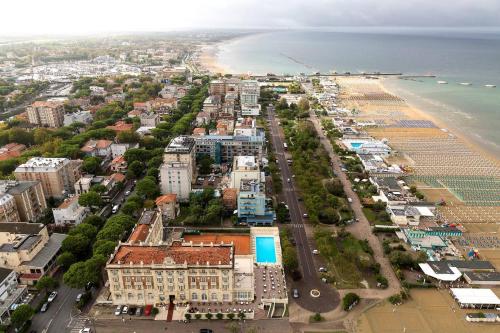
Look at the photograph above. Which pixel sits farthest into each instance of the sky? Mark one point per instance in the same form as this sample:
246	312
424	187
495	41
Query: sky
36	17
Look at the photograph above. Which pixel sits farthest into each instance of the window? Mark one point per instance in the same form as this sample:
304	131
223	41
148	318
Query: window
150	296
194	296
170	288
214	296
139	296
225	297
160	288
181	288
182	296
130	296
118	296
204	297
116	286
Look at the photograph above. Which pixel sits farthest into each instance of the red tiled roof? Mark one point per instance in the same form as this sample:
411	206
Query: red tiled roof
118	177
135	113
118	159
140	233
199	131
136	254
121	126
68	202
101	144
30	276
38	104
167	198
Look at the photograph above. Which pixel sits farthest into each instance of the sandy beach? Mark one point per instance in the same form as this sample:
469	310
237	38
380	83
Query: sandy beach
208	60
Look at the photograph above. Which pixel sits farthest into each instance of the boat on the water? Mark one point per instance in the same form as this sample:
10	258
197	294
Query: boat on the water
442	82
490	86
466	83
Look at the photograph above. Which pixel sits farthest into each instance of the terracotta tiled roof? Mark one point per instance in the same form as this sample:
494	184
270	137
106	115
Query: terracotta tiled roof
167	198
118	177
199	131
241	242
135	113
38	104
101	144
68	202
229	193
193	255
118	159
140	233
121	126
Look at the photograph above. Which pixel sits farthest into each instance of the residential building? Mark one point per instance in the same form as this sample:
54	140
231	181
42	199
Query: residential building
250	110
168	206
178	170
8	208
84	117
222	148
11	294
149	119
84	184
253	206
50	114
135	113
121	126
11	150
217	87
245	167
199	131
70	212
202	118
232	86
99	148
212	105
230	198
140	275
246	127
57	175
29	197
141	106
27	249
118	149
249	92
162	105
119	164
148	230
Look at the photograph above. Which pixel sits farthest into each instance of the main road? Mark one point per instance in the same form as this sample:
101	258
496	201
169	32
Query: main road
329	298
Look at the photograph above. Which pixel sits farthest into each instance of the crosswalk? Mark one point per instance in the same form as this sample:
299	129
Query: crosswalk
77	323
297	226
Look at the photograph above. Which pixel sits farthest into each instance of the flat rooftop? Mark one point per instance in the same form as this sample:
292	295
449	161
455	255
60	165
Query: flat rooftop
180	145
241	242
42	163
21	227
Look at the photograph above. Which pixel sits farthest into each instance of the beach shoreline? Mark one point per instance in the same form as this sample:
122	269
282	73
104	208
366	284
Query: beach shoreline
417	107
208	59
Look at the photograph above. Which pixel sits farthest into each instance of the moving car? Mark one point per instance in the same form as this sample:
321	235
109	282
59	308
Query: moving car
118	310
305	215
288	179
44	307
349	199
295	293
115	209
52	296
315	252
127	193
323	269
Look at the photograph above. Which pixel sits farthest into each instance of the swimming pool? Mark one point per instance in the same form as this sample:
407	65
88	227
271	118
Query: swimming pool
266	250
356	144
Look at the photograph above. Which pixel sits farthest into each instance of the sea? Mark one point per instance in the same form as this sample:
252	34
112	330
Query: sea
452	55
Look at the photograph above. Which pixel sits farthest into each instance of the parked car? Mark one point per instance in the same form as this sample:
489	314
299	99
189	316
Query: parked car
295	293
86	330
127	193
323	269
305	215
118	310
349	199
78	297
115	209
125	309
131	310
147	309
44	307
206	330
138	312
52	296
315	252
288	179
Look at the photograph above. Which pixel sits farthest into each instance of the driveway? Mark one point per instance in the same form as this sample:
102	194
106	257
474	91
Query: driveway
329	298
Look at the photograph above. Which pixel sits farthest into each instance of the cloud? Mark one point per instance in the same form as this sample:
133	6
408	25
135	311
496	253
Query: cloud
62	16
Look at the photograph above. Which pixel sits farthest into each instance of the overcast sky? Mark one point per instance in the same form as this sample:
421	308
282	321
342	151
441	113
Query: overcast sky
19	17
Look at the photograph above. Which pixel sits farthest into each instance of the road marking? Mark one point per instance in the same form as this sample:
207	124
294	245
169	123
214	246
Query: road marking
58	310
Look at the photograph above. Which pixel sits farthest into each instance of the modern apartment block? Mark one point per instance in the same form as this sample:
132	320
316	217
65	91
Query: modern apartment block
8	208
245	167
178	170
223	148
11	294
253	206
249	92
57	175
29	197
50	114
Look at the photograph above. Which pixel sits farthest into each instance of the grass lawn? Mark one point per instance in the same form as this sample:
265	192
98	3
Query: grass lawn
371	215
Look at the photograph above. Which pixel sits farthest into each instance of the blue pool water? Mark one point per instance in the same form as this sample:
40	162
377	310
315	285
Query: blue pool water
266	251
356	144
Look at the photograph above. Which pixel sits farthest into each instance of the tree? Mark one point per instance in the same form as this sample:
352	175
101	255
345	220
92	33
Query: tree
90	199
77	244
85	229
65	259
303	104
290	260
21	315
208	315
349	301
206	164
241	315
19	135
187	316
91	165
94	220
98	188
130	207
46	283
83	272
104	248
136	154
135	169
148	188
219	315
128	137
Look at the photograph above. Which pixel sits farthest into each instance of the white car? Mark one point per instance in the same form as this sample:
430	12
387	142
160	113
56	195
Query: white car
125	309
52	296
118	310
127	193
315	252
86	330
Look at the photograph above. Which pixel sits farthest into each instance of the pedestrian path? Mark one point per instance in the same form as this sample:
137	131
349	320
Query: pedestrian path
77	323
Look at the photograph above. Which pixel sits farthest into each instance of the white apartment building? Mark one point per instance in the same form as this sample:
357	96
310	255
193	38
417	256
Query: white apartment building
244	167
70	212
249	92
250	110
11	293
8	208
178	170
